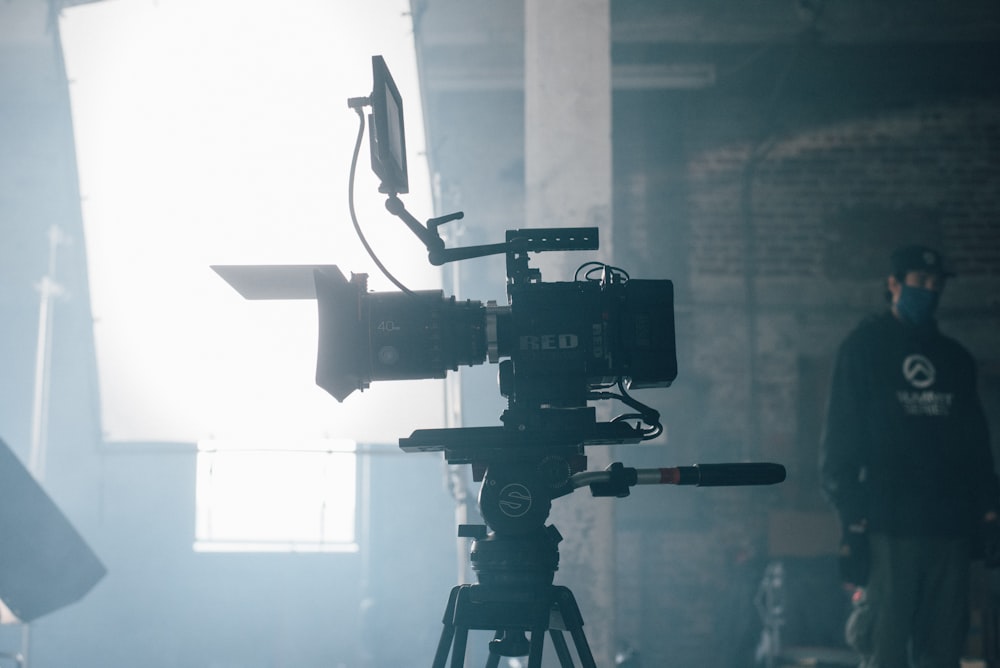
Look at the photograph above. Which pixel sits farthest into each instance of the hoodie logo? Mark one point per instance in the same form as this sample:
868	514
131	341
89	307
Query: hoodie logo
920	374
918	371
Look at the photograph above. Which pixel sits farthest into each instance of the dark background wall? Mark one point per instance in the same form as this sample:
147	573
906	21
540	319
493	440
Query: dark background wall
776	203
771	193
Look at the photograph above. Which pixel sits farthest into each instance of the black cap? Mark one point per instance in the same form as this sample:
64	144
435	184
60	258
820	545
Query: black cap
915	257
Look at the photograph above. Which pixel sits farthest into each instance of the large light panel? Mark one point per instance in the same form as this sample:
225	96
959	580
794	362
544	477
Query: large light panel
217	132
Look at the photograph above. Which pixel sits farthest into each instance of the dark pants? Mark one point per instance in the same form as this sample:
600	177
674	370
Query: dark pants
918	594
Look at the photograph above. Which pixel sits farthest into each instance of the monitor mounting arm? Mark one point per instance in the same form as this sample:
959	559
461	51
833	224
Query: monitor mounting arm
518	244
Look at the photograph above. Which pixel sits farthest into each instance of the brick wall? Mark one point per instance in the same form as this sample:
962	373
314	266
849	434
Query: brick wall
831	199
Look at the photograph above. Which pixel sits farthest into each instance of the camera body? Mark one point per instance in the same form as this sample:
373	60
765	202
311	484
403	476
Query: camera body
566	339
555	342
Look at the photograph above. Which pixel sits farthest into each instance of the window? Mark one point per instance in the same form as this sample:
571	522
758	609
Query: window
265	497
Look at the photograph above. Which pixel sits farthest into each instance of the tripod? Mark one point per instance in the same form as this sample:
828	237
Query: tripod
515	596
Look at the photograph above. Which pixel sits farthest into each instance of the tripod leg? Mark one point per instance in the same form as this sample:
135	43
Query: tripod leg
562	650
583	648
448	632
537	645
493	659
565	603
458	651
444	644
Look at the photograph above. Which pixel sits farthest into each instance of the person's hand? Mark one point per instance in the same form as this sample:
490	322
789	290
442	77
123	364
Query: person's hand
854	558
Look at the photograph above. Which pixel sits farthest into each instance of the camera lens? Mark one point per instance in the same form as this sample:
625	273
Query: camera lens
366	336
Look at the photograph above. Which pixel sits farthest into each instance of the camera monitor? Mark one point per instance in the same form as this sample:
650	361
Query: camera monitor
387	136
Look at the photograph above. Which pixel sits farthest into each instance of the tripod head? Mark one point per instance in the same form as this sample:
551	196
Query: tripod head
516	497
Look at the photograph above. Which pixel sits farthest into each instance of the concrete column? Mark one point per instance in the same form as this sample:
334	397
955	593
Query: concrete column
567	101
567	98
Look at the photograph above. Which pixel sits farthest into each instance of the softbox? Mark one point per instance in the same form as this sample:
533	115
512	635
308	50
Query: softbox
44	563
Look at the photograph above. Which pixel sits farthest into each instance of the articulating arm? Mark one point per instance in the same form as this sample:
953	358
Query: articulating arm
518	241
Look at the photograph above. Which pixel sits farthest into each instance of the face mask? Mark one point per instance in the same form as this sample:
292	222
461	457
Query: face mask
916	305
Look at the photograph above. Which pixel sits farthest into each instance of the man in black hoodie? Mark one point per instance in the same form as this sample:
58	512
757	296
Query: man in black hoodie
906	461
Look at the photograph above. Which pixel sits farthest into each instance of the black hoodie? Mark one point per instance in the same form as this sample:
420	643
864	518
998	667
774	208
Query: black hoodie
906	445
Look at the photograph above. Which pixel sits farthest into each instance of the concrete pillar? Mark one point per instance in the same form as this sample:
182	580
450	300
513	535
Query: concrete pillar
567	98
